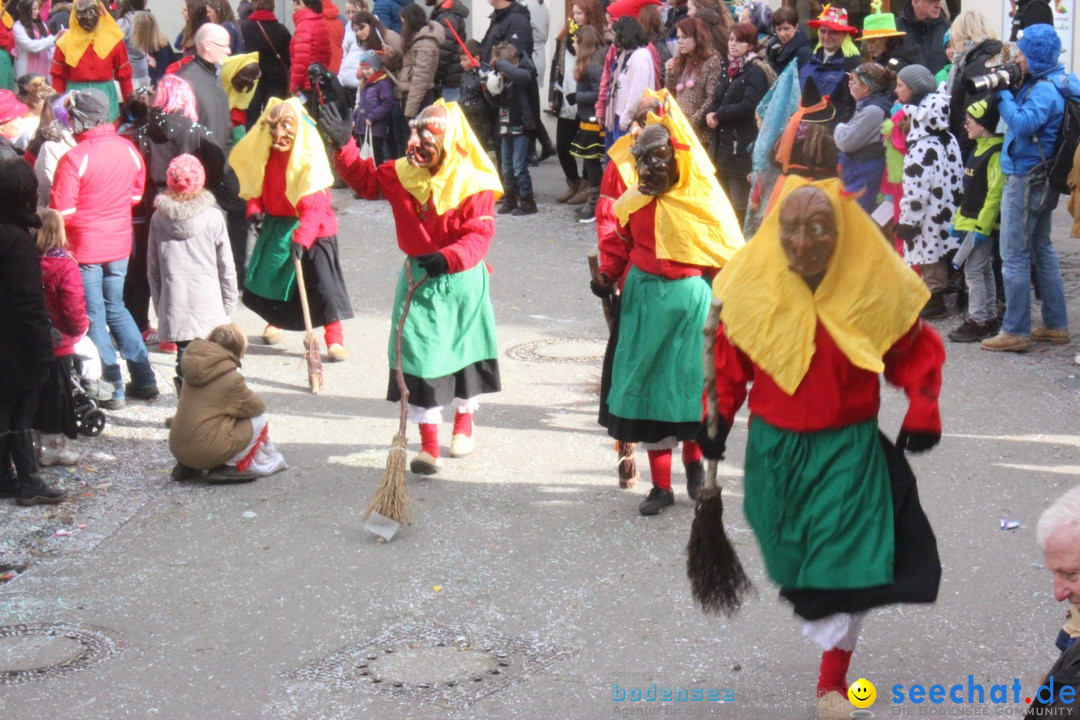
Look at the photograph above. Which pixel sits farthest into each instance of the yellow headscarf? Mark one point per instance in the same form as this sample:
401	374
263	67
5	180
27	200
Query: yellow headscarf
465	170
308	170
867	300
105	37
9	21
694	220
232	65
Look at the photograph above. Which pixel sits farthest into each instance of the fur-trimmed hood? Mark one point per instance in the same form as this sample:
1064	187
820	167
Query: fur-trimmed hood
184	218
929	117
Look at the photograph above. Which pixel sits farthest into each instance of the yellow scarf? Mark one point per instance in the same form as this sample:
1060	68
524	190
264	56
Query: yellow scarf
234	64
76	41
308	170
867	300
9	21
694	220
624	160
465	170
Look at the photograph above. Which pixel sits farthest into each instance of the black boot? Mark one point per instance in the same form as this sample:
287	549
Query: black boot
8	484
509	202
935	307
32	490
695	475
527	206
587	213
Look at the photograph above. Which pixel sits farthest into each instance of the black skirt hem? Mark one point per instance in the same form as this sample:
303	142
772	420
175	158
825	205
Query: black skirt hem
479	378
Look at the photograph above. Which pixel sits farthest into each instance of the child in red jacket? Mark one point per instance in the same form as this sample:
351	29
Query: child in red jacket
55	420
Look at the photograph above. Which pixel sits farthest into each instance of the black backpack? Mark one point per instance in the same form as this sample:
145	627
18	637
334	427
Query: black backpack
1060	162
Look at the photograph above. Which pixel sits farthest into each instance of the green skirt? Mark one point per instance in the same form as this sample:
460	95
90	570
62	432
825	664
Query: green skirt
450	324
657	371
820	505
107	87
7	72
271	272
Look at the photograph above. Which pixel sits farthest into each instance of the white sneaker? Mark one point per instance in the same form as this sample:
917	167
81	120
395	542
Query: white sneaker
54	451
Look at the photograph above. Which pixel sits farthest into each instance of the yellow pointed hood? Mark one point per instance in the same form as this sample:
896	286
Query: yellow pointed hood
308	170
695	223
867	300
465	170
233	64
76	41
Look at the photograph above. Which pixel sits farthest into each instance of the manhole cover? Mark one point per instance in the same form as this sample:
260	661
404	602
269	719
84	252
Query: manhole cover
432	663
36	652
559	350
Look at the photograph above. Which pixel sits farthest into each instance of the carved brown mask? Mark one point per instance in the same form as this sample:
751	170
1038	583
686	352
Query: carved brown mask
87	14
282	123
425	148
245	77
654	159
808	232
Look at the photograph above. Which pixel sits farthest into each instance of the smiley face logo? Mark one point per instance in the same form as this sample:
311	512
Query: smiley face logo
862	693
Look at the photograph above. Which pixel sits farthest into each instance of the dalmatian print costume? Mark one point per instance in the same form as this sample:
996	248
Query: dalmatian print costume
933	181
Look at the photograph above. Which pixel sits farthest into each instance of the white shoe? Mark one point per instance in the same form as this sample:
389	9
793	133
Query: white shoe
461	445
54	451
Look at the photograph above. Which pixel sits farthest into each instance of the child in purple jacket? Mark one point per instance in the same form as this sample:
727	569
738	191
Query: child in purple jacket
375	99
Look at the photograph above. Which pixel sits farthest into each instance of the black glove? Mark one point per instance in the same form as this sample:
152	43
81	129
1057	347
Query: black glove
255	221
601	289
334	127
296	250
712	448
571	99
434	264
907	233
914	441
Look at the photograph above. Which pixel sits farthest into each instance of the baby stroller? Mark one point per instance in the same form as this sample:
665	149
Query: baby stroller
85	393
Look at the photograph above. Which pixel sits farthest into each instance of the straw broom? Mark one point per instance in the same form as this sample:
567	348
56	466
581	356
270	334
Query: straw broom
717	579
311	345
391	500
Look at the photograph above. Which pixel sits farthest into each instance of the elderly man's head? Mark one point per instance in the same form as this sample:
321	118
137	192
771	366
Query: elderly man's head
926	9
1058	536
212	43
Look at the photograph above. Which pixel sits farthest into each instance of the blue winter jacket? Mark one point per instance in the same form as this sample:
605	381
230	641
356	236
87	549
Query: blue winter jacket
1037	108
389	12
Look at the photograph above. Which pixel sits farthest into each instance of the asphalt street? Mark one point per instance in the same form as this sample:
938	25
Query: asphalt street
527	585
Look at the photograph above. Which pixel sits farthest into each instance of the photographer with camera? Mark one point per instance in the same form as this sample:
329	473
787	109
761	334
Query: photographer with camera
1033	116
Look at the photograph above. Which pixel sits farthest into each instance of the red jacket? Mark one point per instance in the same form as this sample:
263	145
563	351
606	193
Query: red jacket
96	184
316	217
310	44
7	38
64	298
336	28
91	68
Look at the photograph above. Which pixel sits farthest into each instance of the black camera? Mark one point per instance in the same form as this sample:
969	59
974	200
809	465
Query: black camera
1003	76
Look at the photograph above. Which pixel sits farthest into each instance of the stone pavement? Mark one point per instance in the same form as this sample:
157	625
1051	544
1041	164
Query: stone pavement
527	585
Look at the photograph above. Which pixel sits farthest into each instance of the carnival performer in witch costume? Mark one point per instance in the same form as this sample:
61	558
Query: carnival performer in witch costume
812	310
92	54
442	194
677	225
285	177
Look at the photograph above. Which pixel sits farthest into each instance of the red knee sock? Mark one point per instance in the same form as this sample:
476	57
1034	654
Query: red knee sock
660	467
463	424
333	333
429	439
691	452
833	673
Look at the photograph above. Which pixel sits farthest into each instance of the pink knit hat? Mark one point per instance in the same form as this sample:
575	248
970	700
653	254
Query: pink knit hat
185	175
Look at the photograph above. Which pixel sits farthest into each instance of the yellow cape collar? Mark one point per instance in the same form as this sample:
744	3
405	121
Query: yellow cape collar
76	41
867	300
232	65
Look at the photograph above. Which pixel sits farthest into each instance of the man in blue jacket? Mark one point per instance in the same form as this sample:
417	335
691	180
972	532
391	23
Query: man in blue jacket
1033	116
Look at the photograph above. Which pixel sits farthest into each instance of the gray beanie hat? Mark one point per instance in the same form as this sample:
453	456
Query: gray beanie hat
88	108
919	80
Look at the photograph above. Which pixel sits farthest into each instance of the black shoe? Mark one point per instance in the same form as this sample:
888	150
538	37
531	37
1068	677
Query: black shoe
695	476
181	472
150	392
534	161
546	152
527	206
509	203
31	489
656	501
935	307
8	484
971	331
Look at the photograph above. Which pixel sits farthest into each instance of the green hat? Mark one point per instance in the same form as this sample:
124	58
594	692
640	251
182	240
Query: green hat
879	24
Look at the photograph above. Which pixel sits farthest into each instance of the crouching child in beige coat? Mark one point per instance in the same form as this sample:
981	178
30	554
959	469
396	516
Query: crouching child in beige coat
220	424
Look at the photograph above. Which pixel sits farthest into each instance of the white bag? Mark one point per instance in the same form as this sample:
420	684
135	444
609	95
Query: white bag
367	152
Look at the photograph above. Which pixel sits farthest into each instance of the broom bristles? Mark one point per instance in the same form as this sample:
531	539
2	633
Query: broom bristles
717	579
314	362
391	500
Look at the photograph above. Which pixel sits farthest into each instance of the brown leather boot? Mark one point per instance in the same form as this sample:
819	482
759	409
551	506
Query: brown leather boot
572	187
582	195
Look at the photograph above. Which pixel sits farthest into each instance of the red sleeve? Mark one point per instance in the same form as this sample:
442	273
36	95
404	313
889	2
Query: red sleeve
614	250
7	39
65	188
59	71
122	69
311	209
72	301
359	174
474	231
254	206
138	179
733	371
914	363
